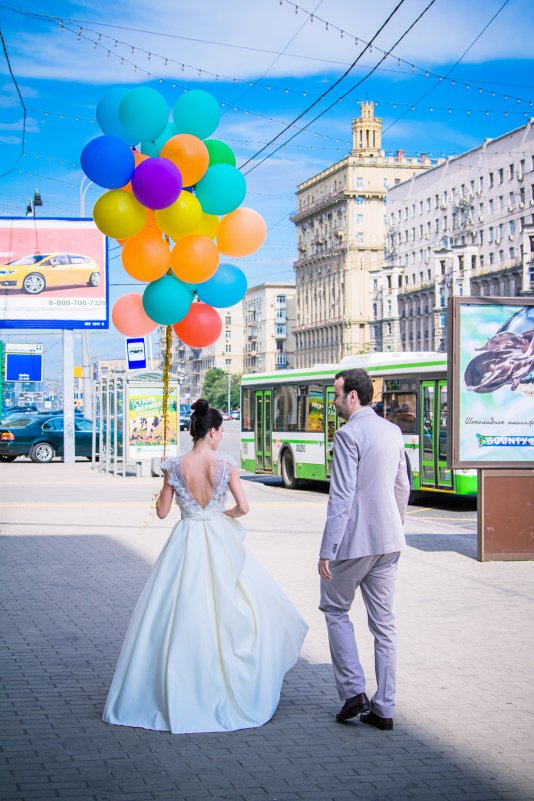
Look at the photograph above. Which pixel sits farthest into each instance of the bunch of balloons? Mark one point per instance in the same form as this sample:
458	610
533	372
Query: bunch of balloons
174	204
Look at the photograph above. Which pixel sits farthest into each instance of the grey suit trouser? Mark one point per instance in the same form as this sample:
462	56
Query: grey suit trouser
375	575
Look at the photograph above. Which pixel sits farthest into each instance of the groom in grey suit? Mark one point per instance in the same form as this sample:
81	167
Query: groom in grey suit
361	545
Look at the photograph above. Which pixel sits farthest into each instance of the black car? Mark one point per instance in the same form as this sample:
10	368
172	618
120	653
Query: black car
40	436
185	416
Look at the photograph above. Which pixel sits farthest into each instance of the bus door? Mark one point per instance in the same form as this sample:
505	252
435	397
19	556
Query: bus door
434	471
263	429
330	429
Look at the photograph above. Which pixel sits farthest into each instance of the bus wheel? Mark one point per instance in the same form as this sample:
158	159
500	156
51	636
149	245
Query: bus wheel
288	471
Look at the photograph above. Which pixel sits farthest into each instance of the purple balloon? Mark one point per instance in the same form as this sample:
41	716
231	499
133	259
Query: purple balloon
156	183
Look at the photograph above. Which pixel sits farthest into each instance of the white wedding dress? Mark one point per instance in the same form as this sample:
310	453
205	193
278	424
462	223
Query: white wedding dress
212	634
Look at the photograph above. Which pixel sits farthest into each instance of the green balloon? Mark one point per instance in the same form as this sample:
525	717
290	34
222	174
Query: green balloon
220	152
167	300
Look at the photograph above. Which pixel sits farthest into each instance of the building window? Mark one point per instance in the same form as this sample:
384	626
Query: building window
490	203
510	171
491	180
360	200
385	183
228	335
281	299
359	238
228	319
501	175
360	219
359	183
228	348
228	362
512	227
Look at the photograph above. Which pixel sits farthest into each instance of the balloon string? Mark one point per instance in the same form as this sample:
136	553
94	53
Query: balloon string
166	371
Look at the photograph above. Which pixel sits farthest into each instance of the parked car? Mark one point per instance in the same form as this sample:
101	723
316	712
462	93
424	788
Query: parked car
40	436
236	414
185	416
33	274
226	415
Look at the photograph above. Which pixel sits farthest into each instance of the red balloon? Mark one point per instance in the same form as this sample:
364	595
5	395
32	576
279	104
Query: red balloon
200	327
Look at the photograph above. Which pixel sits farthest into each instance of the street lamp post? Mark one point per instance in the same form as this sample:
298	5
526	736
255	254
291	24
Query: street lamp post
229	390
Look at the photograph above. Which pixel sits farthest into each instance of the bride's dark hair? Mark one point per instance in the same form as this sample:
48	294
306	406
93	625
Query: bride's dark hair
203	418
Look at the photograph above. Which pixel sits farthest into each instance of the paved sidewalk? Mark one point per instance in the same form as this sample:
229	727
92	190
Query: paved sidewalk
74	556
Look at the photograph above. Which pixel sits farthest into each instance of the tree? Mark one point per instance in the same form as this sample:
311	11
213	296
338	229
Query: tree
215	388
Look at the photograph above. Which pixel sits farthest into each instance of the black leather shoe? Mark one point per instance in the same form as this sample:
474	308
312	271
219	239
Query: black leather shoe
352	707
384	724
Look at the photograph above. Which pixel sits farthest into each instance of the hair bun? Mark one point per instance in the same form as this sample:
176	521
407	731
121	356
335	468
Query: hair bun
200	406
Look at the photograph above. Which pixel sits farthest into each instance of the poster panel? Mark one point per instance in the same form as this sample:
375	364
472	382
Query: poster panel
145	422
491	371
53	274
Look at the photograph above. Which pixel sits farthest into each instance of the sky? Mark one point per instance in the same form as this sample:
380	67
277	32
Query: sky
462	73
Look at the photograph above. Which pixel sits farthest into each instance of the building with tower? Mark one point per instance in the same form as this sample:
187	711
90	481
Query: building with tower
341	227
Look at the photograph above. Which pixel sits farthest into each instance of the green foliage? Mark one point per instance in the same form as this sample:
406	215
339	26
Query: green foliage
215	389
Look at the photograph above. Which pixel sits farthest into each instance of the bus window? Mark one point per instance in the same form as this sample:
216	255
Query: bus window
247	410
285	408
399	408
311	408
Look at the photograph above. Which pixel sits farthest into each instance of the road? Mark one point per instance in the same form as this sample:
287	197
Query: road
76	547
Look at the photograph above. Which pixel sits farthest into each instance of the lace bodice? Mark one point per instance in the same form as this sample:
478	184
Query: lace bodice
188	505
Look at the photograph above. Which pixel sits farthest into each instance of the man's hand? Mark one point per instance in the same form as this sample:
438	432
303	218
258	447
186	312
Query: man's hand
324	569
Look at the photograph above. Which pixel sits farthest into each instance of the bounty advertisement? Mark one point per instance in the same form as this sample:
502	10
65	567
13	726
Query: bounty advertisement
493	382
145	422
53	274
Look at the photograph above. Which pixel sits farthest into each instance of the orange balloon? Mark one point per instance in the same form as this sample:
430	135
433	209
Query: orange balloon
138	158
194	259
130	318
201	326
190	155
146	256
241	232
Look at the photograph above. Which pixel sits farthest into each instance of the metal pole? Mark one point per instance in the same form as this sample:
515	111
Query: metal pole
115	425
86	377
229	390
69	456
93	436
151	352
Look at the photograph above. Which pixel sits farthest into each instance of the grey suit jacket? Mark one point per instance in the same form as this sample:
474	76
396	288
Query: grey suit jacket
369	489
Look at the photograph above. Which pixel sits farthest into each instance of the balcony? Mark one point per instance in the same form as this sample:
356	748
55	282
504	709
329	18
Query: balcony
281	360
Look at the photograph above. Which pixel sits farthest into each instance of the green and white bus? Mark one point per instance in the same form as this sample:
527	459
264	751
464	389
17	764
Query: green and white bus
288	419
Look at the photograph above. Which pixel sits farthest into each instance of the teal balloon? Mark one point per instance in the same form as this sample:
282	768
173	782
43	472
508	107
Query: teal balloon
144	113
107	116
221	190
196	112
167	300
220	152
226	288
154	148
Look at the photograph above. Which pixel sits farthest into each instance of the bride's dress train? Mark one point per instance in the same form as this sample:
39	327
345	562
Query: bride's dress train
212	634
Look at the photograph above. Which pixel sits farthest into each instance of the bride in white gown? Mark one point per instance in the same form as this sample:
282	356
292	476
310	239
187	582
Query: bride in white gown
212	634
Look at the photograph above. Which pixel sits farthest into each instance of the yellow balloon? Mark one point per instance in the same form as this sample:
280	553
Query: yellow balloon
181	217
208	226
118	214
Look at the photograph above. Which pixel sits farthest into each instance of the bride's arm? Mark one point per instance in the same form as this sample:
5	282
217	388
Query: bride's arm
164	499
241	503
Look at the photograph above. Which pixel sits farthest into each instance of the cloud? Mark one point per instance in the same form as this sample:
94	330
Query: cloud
233	39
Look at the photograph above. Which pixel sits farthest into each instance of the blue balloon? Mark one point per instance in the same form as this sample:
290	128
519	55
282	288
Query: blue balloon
144	113
108	161
221	190
167	300
107	115
154	148
226	288
196	112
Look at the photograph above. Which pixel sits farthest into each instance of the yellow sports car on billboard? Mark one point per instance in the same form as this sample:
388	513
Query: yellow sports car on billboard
33	274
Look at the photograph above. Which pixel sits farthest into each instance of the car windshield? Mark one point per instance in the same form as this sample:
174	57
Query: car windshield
27	260
20	422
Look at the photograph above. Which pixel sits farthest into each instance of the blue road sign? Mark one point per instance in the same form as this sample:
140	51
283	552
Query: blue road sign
136	353
24	367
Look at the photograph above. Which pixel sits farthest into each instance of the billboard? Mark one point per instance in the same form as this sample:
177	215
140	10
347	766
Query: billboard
145	421
24	367
53	274
491	371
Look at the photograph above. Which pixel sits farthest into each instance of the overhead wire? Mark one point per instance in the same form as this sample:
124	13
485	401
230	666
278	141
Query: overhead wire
359	83
24	111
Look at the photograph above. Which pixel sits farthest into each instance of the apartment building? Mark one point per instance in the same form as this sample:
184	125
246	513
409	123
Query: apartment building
192	364
270	316
341	226
463	227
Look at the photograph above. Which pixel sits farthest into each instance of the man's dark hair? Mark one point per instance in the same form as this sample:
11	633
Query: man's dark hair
359	380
